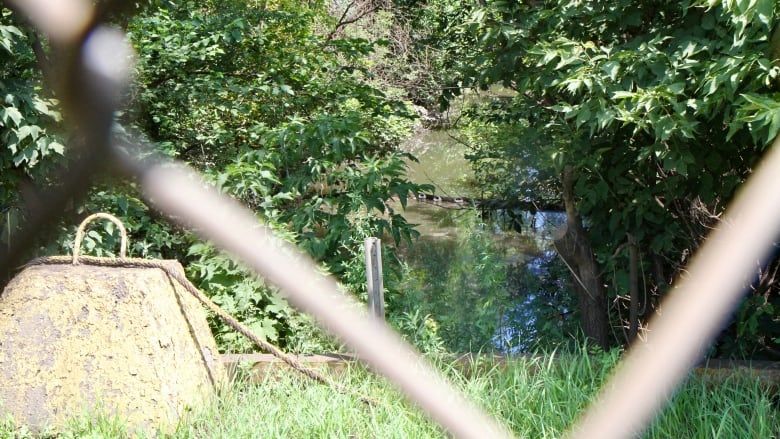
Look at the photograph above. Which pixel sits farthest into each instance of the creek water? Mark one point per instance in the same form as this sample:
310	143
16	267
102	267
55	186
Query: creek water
443	165
441	162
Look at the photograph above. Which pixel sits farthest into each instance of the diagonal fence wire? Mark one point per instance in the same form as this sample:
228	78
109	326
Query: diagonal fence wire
94	69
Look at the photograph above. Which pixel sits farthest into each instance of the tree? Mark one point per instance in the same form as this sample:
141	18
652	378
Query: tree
277	112
29	125
657	110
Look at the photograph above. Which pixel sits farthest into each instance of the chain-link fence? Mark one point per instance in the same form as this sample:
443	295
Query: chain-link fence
93	68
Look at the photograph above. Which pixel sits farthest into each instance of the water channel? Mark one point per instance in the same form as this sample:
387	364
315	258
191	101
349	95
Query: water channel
477	275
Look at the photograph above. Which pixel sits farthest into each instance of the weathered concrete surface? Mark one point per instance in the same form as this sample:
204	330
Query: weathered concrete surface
128	340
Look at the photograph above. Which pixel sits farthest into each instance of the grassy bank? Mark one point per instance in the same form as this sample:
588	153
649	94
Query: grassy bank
535	398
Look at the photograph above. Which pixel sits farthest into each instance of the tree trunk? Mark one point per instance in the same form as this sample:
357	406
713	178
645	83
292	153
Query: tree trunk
574	247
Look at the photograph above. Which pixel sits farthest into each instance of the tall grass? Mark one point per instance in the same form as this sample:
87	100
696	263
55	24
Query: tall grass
537	398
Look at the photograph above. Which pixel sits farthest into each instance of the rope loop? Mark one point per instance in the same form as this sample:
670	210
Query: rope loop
83	225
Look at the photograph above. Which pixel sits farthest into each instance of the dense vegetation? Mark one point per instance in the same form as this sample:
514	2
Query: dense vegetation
643	118
271	108
640	119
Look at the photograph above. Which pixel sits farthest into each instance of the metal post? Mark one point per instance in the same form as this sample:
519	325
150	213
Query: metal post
376	297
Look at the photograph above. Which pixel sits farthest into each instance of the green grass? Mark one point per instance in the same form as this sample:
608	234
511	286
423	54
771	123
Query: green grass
535	398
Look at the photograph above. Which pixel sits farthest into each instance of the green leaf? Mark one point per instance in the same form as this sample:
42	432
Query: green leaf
45	108
583	116
611	68
31	131
287	89
677	88
57	147
623	95
7	34
11	113
122	203
765	11
94	234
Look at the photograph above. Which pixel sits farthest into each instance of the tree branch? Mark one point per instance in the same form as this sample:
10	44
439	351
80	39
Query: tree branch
363	9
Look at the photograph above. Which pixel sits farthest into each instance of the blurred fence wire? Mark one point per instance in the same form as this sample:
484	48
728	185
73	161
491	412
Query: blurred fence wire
93	68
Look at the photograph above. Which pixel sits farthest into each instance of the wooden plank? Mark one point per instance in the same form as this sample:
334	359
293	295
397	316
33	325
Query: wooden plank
258	367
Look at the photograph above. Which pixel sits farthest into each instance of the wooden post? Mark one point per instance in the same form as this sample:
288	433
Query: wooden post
376	297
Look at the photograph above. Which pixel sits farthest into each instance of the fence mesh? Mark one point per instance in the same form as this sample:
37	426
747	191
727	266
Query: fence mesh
94	65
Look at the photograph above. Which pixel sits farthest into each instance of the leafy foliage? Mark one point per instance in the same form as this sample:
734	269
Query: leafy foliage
508	154
274	111
663	109
455	291
283	119
30	144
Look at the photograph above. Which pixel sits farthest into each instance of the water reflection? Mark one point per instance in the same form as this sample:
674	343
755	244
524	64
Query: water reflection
521	240
442	163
